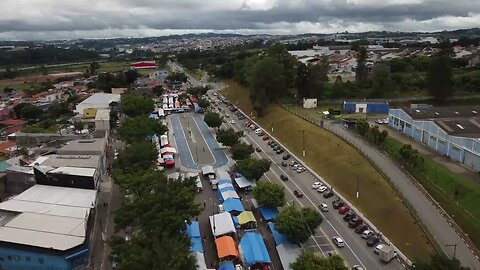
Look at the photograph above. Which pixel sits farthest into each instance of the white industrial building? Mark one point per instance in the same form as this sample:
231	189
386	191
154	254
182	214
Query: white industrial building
97	101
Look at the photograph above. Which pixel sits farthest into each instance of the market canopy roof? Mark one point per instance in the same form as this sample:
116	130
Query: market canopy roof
193	230
278	237
196	244
224	181
254	249
222	224
200	261
226	265
224	185
246	217
208	170
268	213
229	194
288	254
233	204
168	150
226	247
243	182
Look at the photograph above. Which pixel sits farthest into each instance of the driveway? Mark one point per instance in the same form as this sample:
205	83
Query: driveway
428	212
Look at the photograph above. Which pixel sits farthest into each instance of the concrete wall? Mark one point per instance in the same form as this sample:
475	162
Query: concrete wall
16	259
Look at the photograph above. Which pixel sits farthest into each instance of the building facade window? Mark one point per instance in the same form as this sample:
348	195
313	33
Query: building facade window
40	260
408	125
28	258
16	258
9	258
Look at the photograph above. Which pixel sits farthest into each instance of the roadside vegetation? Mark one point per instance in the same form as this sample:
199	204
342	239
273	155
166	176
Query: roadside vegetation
341	165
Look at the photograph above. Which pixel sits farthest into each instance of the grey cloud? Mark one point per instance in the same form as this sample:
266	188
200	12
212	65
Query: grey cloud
199	15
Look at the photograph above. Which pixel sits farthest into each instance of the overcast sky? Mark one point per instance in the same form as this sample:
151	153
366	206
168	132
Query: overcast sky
69	19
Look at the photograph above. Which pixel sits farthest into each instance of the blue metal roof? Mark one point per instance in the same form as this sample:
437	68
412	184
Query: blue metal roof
278	237
254	249
154	116
224	181
233	204
268	213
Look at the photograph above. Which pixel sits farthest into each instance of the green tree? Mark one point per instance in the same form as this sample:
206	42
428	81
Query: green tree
267	193
362	72
197	91
382	84
298	225
253	168
134	105
203	103
268	75
30	111
410	156
280	53
213	120
439	262
59	109
177	77
241	151
311	261
229	137
362	127
139	128
439	78
94	67
159	204
158	90
137	156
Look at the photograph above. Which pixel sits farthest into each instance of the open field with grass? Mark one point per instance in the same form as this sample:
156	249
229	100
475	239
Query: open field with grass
316	114
335	160
459	197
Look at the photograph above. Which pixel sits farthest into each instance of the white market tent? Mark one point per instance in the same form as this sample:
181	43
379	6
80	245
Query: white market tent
288	254
225	185
168	150
201	265
222	224
229	194
243	182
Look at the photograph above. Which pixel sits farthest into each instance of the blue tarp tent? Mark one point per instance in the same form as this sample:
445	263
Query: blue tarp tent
154	116
278	237
254	249
226	266
233	204
268	213
196	244
224	181
193	230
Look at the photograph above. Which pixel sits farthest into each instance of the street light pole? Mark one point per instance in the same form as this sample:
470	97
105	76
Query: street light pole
358	178
272	124
303	136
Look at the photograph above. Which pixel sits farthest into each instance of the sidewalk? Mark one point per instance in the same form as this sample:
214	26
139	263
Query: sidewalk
452	165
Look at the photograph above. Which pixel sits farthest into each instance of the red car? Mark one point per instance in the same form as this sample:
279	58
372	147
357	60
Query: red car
343	210
266	138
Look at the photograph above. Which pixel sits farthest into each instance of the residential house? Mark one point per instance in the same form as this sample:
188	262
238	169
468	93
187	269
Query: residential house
11	126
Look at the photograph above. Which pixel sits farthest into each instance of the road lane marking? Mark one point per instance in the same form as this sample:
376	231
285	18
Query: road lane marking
183	133
205	140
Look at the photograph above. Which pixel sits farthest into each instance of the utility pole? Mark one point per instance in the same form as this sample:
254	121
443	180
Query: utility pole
454	249
358	178
272	124
303	136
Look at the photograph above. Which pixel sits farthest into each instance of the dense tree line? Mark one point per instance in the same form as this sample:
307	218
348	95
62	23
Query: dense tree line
106	81
45	55
155	211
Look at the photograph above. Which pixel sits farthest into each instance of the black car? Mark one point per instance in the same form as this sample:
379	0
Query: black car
354	222
276	147
273	145
284	164
270	142
337	204
258	149
372	241
361	228
283	177
286	157
280	150
348	216
328	194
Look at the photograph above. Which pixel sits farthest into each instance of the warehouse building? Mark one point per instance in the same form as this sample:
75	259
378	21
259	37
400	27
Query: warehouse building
451	131
46	228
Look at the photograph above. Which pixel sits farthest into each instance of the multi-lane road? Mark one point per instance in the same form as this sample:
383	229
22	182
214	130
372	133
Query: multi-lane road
356	251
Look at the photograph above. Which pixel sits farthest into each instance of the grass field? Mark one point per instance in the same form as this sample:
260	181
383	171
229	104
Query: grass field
334	160
442	185
316	114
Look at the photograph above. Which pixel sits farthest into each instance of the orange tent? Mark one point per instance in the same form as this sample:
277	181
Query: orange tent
226	247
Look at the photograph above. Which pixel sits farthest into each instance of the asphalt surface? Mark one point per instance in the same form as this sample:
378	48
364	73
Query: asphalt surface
356	250
196	143
428	212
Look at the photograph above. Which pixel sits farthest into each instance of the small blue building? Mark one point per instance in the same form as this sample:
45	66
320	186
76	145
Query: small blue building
366	106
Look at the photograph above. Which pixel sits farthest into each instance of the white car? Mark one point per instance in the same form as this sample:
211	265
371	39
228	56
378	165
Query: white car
300	169
338	241
323	207
366	234
232	121
295	166
377	248
317	185
322	189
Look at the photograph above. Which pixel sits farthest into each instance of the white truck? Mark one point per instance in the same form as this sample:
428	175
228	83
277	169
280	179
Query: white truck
387	253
